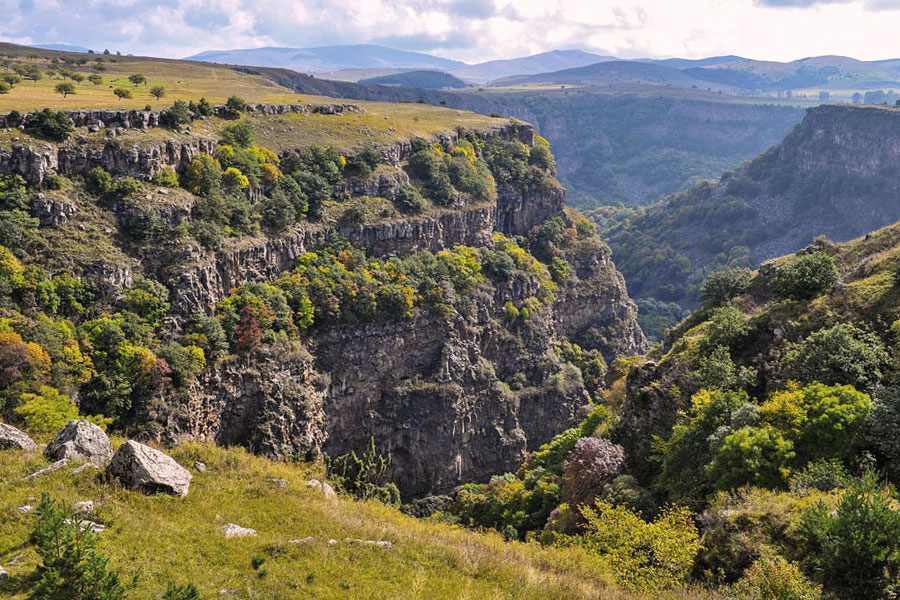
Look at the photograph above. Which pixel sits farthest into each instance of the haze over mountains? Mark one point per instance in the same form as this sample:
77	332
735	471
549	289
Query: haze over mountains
729	73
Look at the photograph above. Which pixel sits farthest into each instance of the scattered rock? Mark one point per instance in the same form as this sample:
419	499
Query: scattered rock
332	542
49	469
200	467
383	544
4	574
13	439
25	509
85	506
85	467
279	483
141	467
322	486
86	525
80	440
230	530
303	541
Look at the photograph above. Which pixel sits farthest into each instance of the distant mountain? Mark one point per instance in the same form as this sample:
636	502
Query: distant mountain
426	80
613	72
329	58
529	65
62	47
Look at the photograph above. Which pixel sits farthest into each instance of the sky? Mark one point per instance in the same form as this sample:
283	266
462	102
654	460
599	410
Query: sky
469	30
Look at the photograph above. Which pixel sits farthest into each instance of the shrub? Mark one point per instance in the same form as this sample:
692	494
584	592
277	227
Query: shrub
99	181
723	285
239	135
122	93
148	299
716	370
277	212
592	463
233	180
823	475
883	427
773	578
806	276
51	125
65	89
166	177
177	115
47	411
755	455
727	325
409	200
71	567
203	176
854	549
364	475
642	555
842	354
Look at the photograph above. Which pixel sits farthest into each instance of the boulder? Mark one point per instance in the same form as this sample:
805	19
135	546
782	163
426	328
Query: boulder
230	530
52	467
143	468
80	440
13	439
322	486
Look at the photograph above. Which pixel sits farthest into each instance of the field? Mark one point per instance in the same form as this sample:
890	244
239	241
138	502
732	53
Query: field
163	539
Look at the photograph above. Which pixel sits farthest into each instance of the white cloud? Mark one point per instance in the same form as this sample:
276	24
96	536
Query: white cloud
469	29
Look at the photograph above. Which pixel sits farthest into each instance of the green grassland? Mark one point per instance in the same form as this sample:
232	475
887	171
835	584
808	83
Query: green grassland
163	539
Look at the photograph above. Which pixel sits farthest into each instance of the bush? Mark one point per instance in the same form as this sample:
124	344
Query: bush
642	555
239	135
726	326
823	475
773	579
47	411
99	181
592	463
854	549
842	354
203	176
148	299
166	177
177	115
71	567
806	276
364	475
277	213
51	125
409	200
883	427
723	285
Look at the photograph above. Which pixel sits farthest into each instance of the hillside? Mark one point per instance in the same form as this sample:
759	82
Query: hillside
834	175
630	144
544	62
611	73
328	58
426	80
164	540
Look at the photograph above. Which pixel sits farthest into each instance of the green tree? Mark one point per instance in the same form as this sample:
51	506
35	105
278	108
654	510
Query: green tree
46	411
122	93
203	176
95	79
854	549
71	567
239	135
157	91
137	79
806	276
723	285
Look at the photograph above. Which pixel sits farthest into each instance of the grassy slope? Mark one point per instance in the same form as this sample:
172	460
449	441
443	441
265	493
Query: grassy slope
164	539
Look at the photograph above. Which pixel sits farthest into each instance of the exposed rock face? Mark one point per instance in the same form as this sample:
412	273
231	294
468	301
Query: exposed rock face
83	441
52	212
143	468
13	439
271	402
518	211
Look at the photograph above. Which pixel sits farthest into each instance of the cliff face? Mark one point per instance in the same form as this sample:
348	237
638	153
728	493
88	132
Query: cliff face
452	397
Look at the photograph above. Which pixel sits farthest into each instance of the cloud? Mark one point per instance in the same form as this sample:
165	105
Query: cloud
874	5
470	30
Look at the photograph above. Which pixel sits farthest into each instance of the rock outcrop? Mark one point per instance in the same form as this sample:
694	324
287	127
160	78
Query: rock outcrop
143	468
80	440
13	439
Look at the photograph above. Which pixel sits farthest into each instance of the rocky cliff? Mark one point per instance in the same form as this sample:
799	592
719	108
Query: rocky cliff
835	175
452	395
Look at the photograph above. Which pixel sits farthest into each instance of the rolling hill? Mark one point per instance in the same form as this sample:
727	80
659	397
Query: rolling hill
426	80
610	73
528	65
328	58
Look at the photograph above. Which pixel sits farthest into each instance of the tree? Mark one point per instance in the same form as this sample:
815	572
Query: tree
842	354
806	276
65	89
76	77
71	566
157	91
52	125
47	411
95	79
238	134
723	285
137	79
248	334
203	176
122	93
4	87
855	549
592	463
